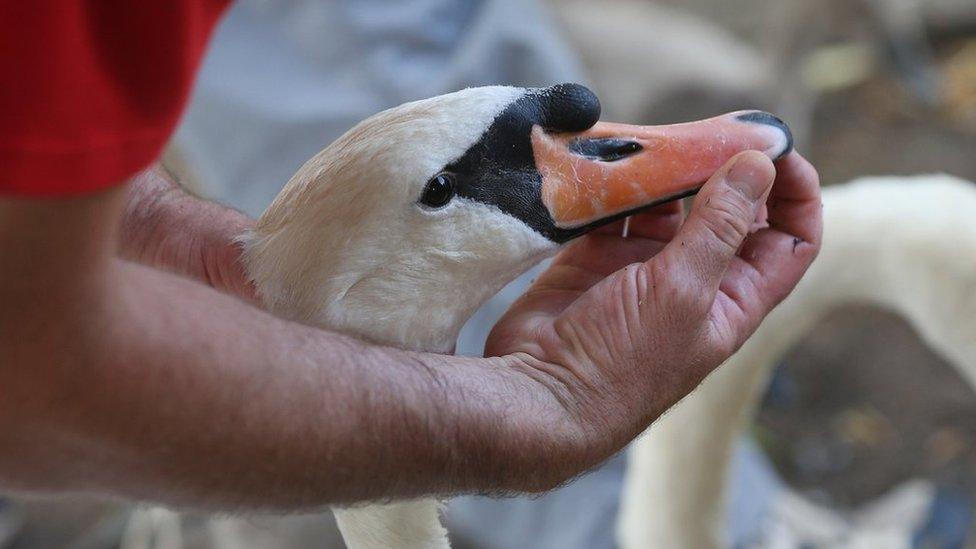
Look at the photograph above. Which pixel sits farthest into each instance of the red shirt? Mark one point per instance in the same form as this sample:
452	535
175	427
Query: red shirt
91	91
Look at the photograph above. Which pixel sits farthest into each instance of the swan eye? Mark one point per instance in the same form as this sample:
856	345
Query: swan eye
439	191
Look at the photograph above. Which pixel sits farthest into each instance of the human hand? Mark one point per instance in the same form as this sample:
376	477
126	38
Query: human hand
165	227
620	329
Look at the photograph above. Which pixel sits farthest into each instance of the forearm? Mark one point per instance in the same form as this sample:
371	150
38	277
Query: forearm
209	402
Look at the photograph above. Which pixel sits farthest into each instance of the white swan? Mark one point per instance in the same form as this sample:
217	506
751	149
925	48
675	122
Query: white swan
400	229
905	244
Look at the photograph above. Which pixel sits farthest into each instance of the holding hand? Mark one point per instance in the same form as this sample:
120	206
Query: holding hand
167	228
625	327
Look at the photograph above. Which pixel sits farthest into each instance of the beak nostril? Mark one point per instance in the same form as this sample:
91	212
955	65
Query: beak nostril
607	149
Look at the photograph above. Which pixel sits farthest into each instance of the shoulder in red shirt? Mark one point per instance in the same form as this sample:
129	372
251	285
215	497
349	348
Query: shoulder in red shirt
92	90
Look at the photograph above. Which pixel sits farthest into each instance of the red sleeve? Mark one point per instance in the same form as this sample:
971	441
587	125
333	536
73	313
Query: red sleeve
90	91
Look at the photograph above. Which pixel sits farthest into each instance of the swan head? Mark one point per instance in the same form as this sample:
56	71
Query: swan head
402	227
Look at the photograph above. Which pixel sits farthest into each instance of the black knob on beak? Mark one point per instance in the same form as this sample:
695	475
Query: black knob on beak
568	108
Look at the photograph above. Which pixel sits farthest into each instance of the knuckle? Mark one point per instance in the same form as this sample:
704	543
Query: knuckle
673	285
722	347
728	217
647	277
688	301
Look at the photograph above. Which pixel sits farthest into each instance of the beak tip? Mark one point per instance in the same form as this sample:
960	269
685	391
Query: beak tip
765	118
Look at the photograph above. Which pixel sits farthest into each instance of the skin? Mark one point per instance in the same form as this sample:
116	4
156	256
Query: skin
135	364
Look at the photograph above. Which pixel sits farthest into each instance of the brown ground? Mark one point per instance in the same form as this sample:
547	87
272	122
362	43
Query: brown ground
869	406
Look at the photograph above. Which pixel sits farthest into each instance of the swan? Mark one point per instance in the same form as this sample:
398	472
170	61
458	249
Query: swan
906	244
401	228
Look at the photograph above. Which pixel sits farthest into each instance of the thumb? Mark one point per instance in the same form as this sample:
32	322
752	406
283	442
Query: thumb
719	221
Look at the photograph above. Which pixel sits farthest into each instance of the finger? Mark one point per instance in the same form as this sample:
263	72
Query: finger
776	258
795	193
719	221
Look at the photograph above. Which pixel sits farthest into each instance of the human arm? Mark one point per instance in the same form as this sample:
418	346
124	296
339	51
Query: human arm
122	379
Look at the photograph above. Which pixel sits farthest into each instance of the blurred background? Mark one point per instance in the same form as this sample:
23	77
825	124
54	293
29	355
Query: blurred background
870	87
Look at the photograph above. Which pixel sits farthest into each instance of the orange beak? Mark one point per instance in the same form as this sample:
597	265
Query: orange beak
613	169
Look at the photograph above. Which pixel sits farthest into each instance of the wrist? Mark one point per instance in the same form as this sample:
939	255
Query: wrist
148	208
167	228
514	433
216	230
575	437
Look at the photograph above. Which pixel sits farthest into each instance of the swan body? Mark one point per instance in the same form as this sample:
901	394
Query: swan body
904	244
362	241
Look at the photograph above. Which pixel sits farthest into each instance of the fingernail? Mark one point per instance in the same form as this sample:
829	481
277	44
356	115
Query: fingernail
751	174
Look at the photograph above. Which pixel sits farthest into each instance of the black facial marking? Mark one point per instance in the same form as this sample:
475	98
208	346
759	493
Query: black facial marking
500	168
760	117
608	149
